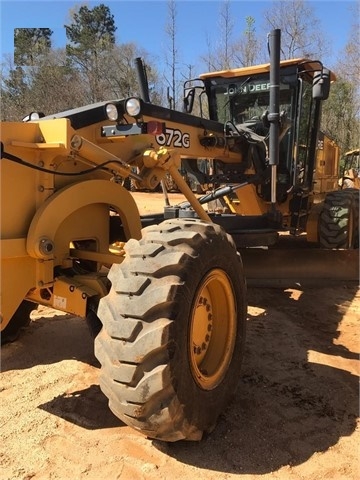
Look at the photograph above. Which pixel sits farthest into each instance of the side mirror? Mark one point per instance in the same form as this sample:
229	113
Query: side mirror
321	84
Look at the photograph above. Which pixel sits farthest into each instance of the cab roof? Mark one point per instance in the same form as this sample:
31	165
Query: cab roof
304	65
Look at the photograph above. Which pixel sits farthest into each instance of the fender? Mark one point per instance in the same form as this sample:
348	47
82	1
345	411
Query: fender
57	208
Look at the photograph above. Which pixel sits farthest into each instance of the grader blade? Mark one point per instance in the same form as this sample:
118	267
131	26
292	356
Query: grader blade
305	267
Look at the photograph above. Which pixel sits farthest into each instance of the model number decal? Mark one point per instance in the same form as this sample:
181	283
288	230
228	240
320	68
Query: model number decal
176	138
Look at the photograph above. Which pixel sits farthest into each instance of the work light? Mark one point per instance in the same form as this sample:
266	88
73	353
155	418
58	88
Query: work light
133	107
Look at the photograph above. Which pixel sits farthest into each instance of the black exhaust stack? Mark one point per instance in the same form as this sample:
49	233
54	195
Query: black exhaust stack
142	79
274	40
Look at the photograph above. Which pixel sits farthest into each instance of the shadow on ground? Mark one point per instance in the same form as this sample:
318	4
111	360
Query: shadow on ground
50	340
86	408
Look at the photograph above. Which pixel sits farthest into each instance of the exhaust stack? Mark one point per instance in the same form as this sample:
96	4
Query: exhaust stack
274	40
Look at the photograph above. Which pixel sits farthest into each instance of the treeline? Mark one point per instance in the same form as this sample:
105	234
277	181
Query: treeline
93	67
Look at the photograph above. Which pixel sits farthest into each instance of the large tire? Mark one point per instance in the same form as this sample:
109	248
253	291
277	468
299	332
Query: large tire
20	320
173	330
339	220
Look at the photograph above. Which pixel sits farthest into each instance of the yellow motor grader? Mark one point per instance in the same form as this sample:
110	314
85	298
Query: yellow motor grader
349	177
166	293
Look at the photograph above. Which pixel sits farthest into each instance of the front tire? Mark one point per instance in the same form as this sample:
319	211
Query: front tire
173	330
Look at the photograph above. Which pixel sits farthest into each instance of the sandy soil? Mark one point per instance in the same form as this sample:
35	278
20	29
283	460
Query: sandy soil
294	416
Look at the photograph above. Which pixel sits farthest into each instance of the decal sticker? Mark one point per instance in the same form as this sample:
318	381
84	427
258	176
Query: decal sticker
173	137
59	302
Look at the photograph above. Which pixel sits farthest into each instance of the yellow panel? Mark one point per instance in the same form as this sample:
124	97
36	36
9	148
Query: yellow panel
17	278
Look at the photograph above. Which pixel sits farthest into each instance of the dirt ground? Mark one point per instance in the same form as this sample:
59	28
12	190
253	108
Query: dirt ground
294	416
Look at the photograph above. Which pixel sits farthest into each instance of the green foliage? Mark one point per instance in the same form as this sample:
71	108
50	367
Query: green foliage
30	44
340	115
92	30
92	37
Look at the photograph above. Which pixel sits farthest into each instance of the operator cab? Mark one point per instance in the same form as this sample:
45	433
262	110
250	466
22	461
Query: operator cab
239	99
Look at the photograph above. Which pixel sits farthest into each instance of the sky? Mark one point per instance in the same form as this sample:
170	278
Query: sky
143	22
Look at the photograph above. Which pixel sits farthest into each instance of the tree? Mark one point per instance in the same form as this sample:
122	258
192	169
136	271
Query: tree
31	47
14	94
225	49
119	75
349	58
247	48
171	31
40	88
220	56
30	44
91	36
49	85
301	35
341	113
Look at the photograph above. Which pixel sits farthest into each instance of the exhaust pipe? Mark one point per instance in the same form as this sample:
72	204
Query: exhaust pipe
274	41
142	79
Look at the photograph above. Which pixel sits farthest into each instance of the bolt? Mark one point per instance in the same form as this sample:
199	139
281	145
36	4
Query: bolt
46	246
76	142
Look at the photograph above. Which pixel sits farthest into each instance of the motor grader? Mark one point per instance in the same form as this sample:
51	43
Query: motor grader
165	293
350	171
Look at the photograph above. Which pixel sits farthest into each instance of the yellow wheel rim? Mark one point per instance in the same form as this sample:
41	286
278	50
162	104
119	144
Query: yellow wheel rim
212	329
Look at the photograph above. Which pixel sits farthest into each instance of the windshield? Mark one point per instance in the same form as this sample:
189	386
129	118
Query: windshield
247	99
244	101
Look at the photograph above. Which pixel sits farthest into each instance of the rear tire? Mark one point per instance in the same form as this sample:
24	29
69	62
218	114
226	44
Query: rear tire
339	220
173	330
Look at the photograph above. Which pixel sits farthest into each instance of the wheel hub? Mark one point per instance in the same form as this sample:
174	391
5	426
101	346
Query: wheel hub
212	329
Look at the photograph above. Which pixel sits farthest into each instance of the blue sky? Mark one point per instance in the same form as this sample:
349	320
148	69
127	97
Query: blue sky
143	22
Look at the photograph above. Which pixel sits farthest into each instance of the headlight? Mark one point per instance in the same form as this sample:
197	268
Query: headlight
33	116
111	112
133	107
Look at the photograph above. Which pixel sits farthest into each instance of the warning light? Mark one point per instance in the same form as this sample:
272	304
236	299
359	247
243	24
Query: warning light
155	128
